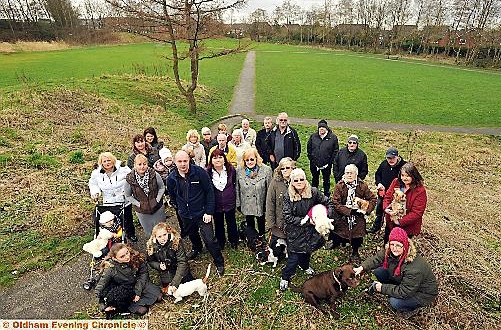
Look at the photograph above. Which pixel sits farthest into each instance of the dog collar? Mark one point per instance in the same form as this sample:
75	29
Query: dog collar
338	282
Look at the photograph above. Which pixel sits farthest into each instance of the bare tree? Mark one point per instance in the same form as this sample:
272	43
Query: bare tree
171	21
259	22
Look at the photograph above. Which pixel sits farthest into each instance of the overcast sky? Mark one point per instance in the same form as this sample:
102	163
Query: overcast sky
270	5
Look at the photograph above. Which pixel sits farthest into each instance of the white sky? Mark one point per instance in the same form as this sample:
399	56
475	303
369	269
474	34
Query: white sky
270	5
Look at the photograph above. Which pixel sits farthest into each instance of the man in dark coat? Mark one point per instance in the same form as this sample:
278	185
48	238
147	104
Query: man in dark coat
351	154
283	141
261	138
322	148
386	172
191	194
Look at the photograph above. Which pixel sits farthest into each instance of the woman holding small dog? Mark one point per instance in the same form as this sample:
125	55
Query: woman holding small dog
350	224
167	255
410	182
402	274
302	240
125	284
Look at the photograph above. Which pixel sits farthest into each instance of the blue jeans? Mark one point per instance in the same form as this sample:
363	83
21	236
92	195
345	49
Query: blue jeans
399	304
295	259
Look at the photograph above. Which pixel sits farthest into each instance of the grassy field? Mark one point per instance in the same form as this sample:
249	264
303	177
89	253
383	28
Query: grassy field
319	83
52	132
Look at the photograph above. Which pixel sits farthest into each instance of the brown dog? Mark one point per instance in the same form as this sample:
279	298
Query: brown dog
328	286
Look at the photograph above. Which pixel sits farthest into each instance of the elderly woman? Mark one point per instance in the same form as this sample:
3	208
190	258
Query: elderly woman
350	224
253	180
302	240
124	285
239	143
410	182
108	180
193	145
150	135
141	147
144	189
402	274
275	197
223	178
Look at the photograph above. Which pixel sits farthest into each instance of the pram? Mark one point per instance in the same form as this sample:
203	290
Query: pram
118	211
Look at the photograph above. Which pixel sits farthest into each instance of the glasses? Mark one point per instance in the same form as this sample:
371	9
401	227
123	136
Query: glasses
285	168
298	180
250	159
352	142
396	246
206	133
282	120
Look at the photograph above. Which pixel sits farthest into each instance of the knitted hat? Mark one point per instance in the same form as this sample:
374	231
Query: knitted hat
397	235
353	137
105	217
391	152
322	123
164	153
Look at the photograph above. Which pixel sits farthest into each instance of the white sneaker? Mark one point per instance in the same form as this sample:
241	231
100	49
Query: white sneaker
309	271
284	284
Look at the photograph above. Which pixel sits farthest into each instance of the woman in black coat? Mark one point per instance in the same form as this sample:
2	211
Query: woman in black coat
302	240
125	284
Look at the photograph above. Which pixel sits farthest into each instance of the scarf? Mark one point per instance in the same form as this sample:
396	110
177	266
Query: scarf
251	172
350	202
143	182
219	180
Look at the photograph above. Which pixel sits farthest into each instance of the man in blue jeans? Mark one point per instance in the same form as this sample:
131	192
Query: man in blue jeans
191	194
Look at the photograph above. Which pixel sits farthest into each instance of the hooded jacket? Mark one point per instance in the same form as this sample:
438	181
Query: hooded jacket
111	187
416	278
345	157
320	151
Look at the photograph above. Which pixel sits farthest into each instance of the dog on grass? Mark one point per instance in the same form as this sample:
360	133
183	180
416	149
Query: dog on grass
328	286
323	225
186	289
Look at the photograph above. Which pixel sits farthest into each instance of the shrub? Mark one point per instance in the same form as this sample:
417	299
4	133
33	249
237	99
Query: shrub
76	157
40	161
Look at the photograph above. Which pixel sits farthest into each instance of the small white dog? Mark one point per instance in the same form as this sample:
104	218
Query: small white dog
95	246
323	225
185	289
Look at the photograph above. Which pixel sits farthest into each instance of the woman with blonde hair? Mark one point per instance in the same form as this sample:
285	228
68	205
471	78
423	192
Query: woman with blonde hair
145	189
193	145
108	180
253	180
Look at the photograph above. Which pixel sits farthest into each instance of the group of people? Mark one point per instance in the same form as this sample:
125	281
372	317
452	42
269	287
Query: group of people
211	178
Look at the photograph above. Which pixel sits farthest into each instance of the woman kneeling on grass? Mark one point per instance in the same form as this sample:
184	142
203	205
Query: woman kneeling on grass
402	274
125	285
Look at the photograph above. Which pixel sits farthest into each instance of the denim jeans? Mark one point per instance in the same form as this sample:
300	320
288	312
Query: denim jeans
399	304
294	260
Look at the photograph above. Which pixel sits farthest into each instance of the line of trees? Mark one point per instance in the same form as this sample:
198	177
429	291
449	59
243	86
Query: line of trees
470	30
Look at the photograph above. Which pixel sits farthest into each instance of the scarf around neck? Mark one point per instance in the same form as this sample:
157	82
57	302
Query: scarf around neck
143	181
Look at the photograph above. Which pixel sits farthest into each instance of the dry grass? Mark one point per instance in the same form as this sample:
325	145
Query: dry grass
32	46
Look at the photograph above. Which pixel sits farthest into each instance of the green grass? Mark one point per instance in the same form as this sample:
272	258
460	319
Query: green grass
319	83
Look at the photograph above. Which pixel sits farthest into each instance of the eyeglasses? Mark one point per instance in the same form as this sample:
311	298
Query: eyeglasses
206	133
282	120
298	180
396	246
250	160
285	168
352	142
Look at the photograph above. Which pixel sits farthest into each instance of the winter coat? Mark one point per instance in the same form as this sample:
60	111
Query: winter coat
250	137
345	157
262	145
385	173
240	149
163	170
303	238
192	196
320	151
274	205
416	276
207	146
226	200
174	257
230	152
199	152
339	198
135	194
292	144
251	193
111	187
416	200
151	156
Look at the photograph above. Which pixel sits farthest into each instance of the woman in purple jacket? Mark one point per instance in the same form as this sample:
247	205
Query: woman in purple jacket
223	178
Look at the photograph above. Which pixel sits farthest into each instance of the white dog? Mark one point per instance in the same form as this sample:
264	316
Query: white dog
318	214
95	246
185	289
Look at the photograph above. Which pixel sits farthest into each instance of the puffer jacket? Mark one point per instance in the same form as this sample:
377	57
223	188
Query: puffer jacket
110	187
345	157
303	238
416	276
123	274
274	205
320	151
134	193
251	193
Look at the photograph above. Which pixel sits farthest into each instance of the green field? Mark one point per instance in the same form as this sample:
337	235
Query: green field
319	83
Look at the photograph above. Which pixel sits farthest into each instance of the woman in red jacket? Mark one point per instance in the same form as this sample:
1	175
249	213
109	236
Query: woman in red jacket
410	182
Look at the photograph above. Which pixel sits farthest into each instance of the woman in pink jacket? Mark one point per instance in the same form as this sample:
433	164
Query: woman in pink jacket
410	182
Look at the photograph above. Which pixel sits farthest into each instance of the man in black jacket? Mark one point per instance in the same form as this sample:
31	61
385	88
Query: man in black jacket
261	138
386	172
351	154
283	141
322	147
